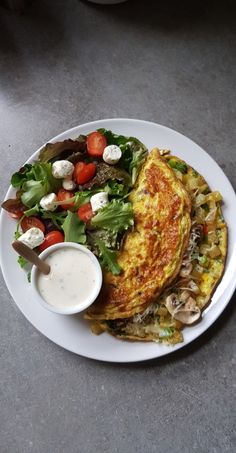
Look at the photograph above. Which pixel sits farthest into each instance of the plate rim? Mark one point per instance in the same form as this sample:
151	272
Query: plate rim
230	287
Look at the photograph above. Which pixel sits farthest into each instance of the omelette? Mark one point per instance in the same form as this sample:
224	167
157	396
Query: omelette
152	252
198	270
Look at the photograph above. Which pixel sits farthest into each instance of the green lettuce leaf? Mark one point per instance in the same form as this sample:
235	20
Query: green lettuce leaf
38	182
108	258
24	264
32	211
43	172
74	229
20	177
83	197
57	218
17	234
109	238
33	192
114	188
22	261
116	216
139	154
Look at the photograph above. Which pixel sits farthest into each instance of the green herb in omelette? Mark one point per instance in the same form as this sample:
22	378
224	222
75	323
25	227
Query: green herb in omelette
180	166
206	207
166	332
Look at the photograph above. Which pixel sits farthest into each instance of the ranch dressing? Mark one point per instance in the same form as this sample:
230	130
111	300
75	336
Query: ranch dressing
71	280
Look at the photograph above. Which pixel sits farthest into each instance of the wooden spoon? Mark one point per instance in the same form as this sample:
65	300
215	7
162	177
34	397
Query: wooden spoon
27	253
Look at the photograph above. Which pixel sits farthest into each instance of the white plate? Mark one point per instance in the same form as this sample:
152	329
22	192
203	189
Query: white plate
72	332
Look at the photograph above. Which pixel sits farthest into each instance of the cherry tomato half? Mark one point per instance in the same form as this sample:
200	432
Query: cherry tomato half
84	172
17	212
54	237
85	212
65	195
32	222
96	143
16	215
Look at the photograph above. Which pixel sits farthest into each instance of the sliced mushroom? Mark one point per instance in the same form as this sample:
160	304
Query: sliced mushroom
184	296
193	287
172	302
186	270
187	313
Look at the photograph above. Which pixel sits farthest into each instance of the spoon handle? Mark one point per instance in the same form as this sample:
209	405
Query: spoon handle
27	253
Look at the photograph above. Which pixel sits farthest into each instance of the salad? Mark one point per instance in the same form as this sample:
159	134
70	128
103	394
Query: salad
77	191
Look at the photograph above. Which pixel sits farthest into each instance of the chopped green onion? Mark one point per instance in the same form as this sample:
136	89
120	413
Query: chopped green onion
180	166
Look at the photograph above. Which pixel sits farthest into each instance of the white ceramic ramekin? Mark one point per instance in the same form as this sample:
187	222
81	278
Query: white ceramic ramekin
81	305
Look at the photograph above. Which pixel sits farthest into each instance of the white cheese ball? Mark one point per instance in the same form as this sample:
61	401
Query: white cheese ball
32	238
62	169
112	154
48	202
68	184
98	201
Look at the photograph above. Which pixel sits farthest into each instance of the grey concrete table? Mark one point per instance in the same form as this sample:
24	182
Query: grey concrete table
65	63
